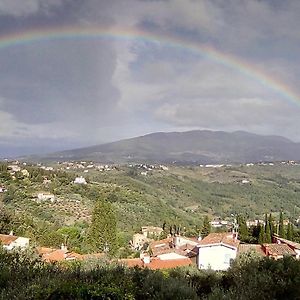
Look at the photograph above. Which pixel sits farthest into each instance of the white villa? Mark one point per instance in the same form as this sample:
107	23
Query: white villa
44	196
217	250
80	180
10	242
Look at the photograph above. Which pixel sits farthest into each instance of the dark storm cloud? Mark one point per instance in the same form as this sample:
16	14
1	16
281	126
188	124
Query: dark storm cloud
43	81
67	92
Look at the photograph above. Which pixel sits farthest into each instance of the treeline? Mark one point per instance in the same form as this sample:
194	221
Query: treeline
264	231
250	277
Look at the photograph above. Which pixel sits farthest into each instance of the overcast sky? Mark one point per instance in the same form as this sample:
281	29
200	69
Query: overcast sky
66	93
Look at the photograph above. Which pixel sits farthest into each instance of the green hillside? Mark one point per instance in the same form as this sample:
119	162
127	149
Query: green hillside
180	195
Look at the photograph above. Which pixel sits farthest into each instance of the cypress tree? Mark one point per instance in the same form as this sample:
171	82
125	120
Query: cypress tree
268	237
102	231
243	229
271	223
266	222
289	234
281	226
206	228
261	236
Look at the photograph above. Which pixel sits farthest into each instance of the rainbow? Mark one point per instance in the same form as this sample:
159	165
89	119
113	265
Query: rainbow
225	59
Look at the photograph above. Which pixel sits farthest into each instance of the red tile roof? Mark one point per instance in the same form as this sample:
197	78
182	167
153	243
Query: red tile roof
220	238
44	250
167	246
161	246
278	250
52	255
132	262
292	244
156	264
7	239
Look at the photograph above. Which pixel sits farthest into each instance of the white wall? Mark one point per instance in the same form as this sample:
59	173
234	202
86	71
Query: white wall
19	243
215	257
169	256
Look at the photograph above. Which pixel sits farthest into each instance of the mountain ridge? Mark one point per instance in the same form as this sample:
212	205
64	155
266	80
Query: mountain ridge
189	147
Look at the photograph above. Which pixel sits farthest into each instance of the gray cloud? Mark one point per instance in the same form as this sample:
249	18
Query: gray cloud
66	92
24	8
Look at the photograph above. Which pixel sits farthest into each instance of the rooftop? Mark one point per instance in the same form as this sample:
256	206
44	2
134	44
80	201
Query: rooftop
225	238
292	244
156	263
7	239
278	249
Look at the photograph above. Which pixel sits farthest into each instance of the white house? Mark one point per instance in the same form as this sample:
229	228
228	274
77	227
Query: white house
80	180
14	168
217	250
44	196
2	189
10	242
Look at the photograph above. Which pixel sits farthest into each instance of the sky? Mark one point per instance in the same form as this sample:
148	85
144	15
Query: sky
64	93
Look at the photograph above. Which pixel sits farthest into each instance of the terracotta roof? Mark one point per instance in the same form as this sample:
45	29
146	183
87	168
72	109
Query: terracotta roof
278	250
244	248
60	255
156	264
167	246
132	262
161	246
220	238
292	244
7	239
44	250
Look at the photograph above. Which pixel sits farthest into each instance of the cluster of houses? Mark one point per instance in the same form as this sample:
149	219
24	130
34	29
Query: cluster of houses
11	242
216	251
85	166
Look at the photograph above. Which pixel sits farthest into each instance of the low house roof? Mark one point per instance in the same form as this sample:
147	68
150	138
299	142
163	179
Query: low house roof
168	246
44	250
292	244
7	239
220	238
156	263
132	262
278	249
59	255
161	246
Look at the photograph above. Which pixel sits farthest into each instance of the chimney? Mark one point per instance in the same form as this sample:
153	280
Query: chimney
11	233
176	241
64	248
145	257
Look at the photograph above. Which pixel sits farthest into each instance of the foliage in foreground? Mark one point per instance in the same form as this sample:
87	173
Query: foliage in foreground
22	277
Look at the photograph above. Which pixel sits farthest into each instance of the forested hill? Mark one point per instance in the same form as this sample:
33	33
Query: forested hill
190	147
